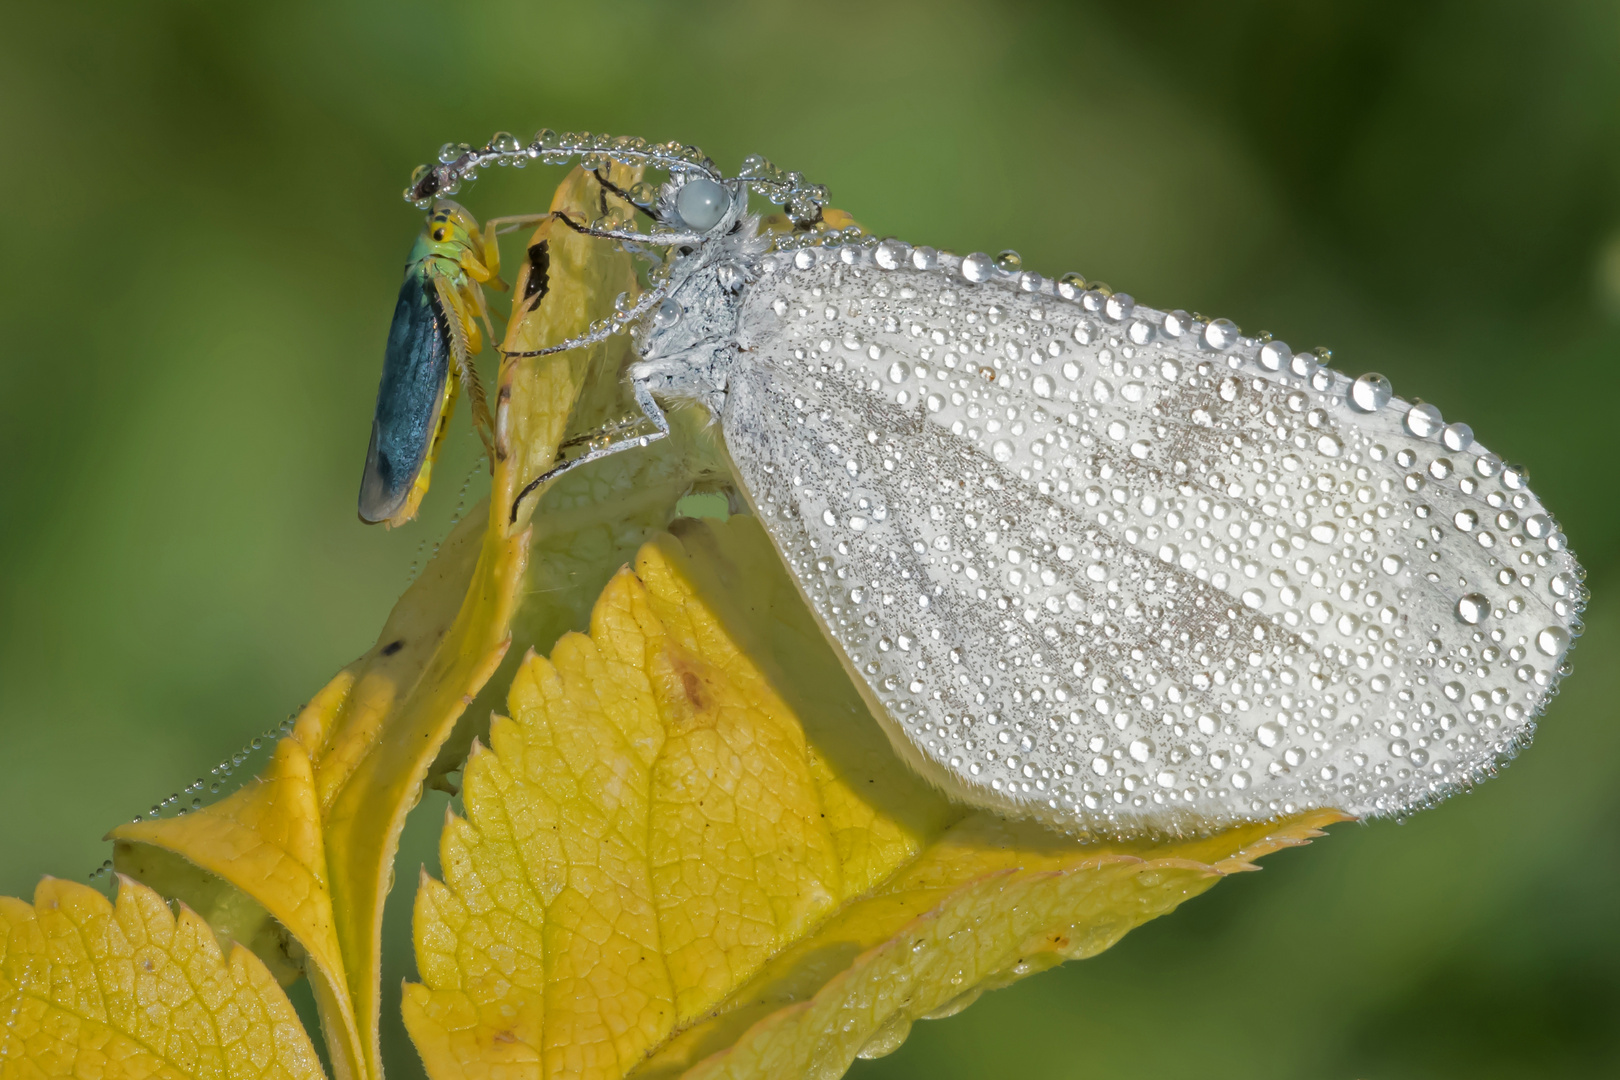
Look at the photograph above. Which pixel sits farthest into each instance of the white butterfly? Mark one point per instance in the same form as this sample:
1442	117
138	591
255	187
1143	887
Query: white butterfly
1093	563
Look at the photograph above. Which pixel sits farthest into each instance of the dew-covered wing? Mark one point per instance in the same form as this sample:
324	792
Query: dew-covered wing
1113	568
415	366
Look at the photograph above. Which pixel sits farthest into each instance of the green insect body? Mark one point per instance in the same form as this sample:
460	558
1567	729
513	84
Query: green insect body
431	342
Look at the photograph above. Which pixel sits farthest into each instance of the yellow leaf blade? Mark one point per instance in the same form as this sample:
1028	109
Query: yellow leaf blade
879	812
741	855
990	903
109	992
316	849
266	842
366	816
536	395
653	874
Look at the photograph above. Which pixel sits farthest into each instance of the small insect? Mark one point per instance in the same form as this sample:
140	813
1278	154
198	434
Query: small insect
1103	565
431	343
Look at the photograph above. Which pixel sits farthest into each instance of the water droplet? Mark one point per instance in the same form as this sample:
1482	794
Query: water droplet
1423	420
924	258
978	267
1538	526
1457	437
667	314
1009	261
1118	306
1465	520
1043	386
1269	734
1002	451
1221	334
1552	641
891	254
1071	286
1275	355
1371	392
1253	598
1473	609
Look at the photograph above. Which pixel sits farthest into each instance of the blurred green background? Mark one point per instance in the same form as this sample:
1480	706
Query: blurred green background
204	237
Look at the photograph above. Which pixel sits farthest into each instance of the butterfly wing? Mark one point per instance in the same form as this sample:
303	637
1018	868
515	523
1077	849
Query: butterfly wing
1099	574
410	399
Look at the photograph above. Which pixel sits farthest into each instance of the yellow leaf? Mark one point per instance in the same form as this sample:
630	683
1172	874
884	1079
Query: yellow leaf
262	849
538	394
130	991
690	849
312	841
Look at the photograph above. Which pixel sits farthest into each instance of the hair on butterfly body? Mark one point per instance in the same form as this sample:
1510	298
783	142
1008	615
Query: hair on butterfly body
691	342
1108	566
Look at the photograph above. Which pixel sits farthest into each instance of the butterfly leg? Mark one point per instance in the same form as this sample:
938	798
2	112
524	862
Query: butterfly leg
649	406
664	240
611	188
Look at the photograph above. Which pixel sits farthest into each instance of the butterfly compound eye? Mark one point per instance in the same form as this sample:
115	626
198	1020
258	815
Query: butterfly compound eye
701	204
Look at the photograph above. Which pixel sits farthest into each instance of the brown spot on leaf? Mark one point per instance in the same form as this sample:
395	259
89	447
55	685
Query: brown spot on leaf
693	687
688	690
